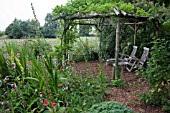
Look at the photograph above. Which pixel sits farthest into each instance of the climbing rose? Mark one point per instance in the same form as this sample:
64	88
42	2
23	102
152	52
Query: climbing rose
53	104
45	103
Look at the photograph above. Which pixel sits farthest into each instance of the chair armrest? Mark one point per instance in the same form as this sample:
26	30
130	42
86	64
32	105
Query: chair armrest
134	58
125	55
113	59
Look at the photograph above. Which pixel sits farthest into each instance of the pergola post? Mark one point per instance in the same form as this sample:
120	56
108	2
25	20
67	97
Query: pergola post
116	74
135	31
64	40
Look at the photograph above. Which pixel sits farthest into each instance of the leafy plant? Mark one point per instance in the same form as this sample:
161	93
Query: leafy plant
35	83
109	107
85	51
157	72
118	83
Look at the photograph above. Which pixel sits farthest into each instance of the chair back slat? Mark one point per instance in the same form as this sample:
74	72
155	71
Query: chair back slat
133	51
144	56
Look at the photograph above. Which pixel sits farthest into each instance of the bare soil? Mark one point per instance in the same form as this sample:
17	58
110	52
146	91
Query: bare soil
127	95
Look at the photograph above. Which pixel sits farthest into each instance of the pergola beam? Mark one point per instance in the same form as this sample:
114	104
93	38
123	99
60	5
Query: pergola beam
138	23
121	14
93	24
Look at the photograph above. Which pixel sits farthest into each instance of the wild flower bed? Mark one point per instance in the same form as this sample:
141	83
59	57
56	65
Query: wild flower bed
33	81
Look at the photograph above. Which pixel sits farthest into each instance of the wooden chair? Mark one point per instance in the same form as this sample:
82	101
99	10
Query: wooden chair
135	62
123	58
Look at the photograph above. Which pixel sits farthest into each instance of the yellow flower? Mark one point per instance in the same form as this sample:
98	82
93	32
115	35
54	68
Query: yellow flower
12	56
20	66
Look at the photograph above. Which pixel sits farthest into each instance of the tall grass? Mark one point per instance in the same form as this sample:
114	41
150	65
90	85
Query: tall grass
93	41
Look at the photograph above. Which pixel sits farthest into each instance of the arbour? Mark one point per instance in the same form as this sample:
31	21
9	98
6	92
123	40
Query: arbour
100	13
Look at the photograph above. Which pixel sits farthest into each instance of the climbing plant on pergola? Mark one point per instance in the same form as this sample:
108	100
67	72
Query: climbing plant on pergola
100	13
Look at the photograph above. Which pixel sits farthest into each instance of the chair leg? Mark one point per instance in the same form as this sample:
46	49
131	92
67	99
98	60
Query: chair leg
132	66
113	72
122	70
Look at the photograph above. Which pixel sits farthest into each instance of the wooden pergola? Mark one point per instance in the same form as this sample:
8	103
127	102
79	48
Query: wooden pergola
105	20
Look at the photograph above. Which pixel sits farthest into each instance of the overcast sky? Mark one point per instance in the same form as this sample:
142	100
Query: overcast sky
21	9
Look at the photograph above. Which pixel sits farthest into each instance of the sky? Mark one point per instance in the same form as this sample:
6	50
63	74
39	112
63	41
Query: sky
21	9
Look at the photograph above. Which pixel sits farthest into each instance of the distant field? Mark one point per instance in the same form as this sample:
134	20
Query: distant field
92	41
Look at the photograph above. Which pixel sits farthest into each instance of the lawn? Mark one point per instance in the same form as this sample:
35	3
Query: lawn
94	41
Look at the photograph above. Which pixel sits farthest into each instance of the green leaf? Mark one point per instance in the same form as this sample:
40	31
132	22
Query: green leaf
33	101
61	110
41	84
31	78
47	111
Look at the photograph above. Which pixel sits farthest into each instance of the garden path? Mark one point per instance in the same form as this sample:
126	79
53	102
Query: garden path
128	95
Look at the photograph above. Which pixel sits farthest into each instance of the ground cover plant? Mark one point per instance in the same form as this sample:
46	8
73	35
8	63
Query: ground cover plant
109	107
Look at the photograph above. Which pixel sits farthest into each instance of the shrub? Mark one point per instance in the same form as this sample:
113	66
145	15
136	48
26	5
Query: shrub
157	72
85	52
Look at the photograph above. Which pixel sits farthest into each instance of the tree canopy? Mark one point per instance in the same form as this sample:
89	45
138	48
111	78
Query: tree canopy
50	27
19	29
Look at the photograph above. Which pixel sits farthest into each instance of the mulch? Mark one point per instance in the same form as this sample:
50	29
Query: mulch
129	95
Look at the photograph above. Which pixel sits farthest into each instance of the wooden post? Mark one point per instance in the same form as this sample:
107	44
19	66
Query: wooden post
100	28
135	30
116	70
100	45
63	43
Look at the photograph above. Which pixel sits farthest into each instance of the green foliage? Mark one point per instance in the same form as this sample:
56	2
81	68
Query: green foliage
93	6
19	29
32	79
108	43
84	30
2	33
109	107
118	83
50	27
127	7
166	108
158	69
84	52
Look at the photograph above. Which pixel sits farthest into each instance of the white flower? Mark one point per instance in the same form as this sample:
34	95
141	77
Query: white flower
13	65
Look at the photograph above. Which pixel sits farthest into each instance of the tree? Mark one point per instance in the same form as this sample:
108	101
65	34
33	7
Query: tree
50	27
14	30
19	29
84	30
2	33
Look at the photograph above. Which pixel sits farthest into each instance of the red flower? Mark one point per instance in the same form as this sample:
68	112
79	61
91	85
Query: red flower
53	104
61	68
45	103
59	85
